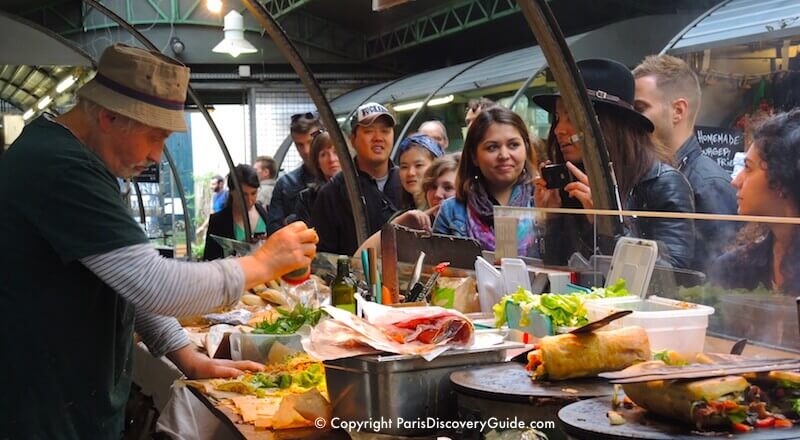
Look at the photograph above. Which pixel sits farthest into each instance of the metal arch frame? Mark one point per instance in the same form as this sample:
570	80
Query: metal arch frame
691	25
430	96
282	42
551	40
283	149
237	187
525	85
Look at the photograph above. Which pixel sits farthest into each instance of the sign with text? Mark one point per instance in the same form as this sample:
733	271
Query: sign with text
149	175
720	144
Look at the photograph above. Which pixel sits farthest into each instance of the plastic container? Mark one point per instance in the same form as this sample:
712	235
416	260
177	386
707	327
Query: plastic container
539	325
670	325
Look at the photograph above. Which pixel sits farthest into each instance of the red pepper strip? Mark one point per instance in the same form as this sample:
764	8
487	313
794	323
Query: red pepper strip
783	423
741	427
765	423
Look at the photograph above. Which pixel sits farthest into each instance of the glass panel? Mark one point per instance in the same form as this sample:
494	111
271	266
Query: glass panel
752	296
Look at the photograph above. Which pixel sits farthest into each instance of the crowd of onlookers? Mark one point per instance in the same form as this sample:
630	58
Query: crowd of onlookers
647	120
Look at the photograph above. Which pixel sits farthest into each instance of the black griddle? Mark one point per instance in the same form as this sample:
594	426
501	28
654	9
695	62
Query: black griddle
510	382
586	420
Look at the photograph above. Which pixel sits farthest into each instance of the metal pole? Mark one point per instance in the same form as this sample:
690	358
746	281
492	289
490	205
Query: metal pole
251	98
193	96
142	215
186	217
605	194
428	98
282	42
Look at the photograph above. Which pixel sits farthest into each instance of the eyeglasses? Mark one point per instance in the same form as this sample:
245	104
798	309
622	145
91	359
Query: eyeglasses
306	115
317	132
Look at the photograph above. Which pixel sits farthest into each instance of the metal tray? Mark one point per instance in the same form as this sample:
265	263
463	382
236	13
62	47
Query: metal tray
390	387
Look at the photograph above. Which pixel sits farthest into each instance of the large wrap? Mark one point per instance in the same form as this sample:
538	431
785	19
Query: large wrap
571	356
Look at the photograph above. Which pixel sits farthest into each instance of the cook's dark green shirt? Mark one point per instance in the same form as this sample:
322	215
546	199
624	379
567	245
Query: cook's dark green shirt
66	337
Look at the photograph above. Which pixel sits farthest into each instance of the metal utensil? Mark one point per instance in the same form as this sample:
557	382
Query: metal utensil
416	273
600	323
738	347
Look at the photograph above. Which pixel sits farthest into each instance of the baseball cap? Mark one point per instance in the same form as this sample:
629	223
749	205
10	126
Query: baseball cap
368	113
143	85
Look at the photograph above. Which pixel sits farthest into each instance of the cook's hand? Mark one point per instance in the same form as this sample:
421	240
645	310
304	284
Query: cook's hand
196	365
289	248
414	219
542	196
580	189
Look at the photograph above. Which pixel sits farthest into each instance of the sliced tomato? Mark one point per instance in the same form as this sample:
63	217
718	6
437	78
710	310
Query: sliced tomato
765	423
741	427
783	423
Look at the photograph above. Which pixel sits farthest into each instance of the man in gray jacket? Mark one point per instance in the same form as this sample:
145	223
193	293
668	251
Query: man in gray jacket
668	93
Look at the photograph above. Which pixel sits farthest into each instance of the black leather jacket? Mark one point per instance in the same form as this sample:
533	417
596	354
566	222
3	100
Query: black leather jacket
713	194
664	188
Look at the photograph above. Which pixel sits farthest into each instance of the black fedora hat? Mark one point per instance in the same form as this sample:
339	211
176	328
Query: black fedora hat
608	83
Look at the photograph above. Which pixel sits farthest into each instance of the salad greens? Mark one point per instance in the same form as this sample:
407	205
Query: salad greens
563	310
289	322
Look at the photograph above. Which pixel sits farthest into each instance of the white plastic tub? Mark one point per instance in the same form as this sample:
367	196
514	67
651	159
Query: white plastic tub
670	325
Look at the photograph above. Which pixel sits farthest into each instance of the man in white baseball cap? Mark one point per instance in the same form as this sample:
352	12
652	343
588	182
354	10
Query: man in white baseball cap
372	137
76	264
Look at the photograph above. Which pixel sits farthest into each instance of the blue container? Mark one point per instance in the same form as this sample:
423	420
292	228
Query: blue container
539	325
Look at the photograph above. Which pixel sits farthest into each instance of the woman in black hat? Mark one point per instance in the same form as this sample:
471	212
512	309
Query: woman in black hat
645	181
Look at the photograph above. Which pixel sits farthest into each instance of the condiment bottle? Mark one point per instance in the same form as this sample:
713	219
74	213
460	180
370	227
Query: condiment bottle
298	276
343	288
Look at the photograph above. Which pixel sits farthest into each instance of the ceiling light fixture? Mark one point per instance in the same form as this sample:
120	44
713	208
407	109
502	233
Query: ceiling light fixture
214	6
44	102
234	42
417	104
65	84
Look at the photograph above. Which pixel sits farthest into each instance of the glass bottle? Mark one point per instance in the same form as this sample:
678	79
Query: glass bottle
343	288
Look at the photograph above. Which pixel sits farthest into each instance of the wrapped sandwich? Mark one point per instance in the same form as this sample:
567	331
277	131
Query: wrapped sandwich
721	403
571	356
779	390
704	404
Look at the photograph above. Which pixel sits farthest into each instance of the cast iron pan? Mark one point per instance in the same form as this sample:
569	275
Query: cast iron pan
510	382
586	420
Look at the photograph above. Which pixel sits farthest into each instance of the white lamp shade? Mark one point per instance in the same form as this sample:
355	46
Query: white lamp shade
234	42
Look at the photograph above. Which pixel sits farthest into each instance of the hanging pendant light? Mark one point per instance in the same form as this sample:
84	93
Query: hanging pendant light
234	42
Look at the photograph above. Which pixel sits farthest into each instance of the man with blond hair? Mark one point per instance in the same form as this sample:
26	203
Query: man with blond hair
79	274
668	93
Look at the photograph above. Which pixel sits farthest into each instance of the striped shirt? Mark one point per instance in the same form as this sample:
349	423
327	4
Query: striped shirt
160	288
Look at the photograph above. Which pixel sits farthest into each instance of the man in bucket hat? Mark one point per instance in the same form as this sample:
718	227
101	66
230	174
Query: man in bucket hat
75	263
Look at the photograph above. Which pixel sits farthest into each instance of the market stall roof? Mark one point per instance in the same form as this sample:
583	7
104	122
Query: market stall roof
612	41
32	69
740	22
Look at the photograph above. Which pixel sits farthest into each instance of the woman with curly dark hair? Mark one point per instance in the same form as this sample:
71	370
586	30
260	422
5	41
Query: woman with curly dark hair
769	185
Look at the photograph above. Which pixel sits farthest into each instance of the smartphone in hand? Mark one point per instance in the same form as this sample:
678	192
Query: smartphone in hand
556	175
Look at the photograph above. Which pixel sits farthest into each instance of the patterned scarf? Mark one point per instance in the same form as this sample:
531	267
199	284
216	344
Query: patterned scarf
480	213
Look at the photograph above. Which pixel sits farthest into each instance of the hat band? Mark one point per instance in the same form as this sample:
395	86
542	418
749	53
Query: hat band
137	95
603	96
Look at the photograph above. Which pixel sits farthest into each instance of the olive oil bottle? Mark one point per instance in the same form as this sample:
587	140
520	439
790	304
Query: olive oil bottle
343	289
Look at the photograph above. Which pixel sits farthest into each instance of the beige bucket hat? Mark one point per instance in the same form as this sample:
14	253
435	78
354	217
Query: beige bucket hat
145	86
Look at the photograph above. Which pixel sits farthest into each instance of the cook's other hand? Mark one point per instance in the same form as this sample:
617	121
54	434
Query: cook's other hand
197	365
542	196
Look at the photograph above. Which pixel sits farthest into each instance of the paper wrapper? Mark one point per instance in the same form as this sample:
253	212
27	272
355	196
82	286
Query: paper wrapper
424	331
